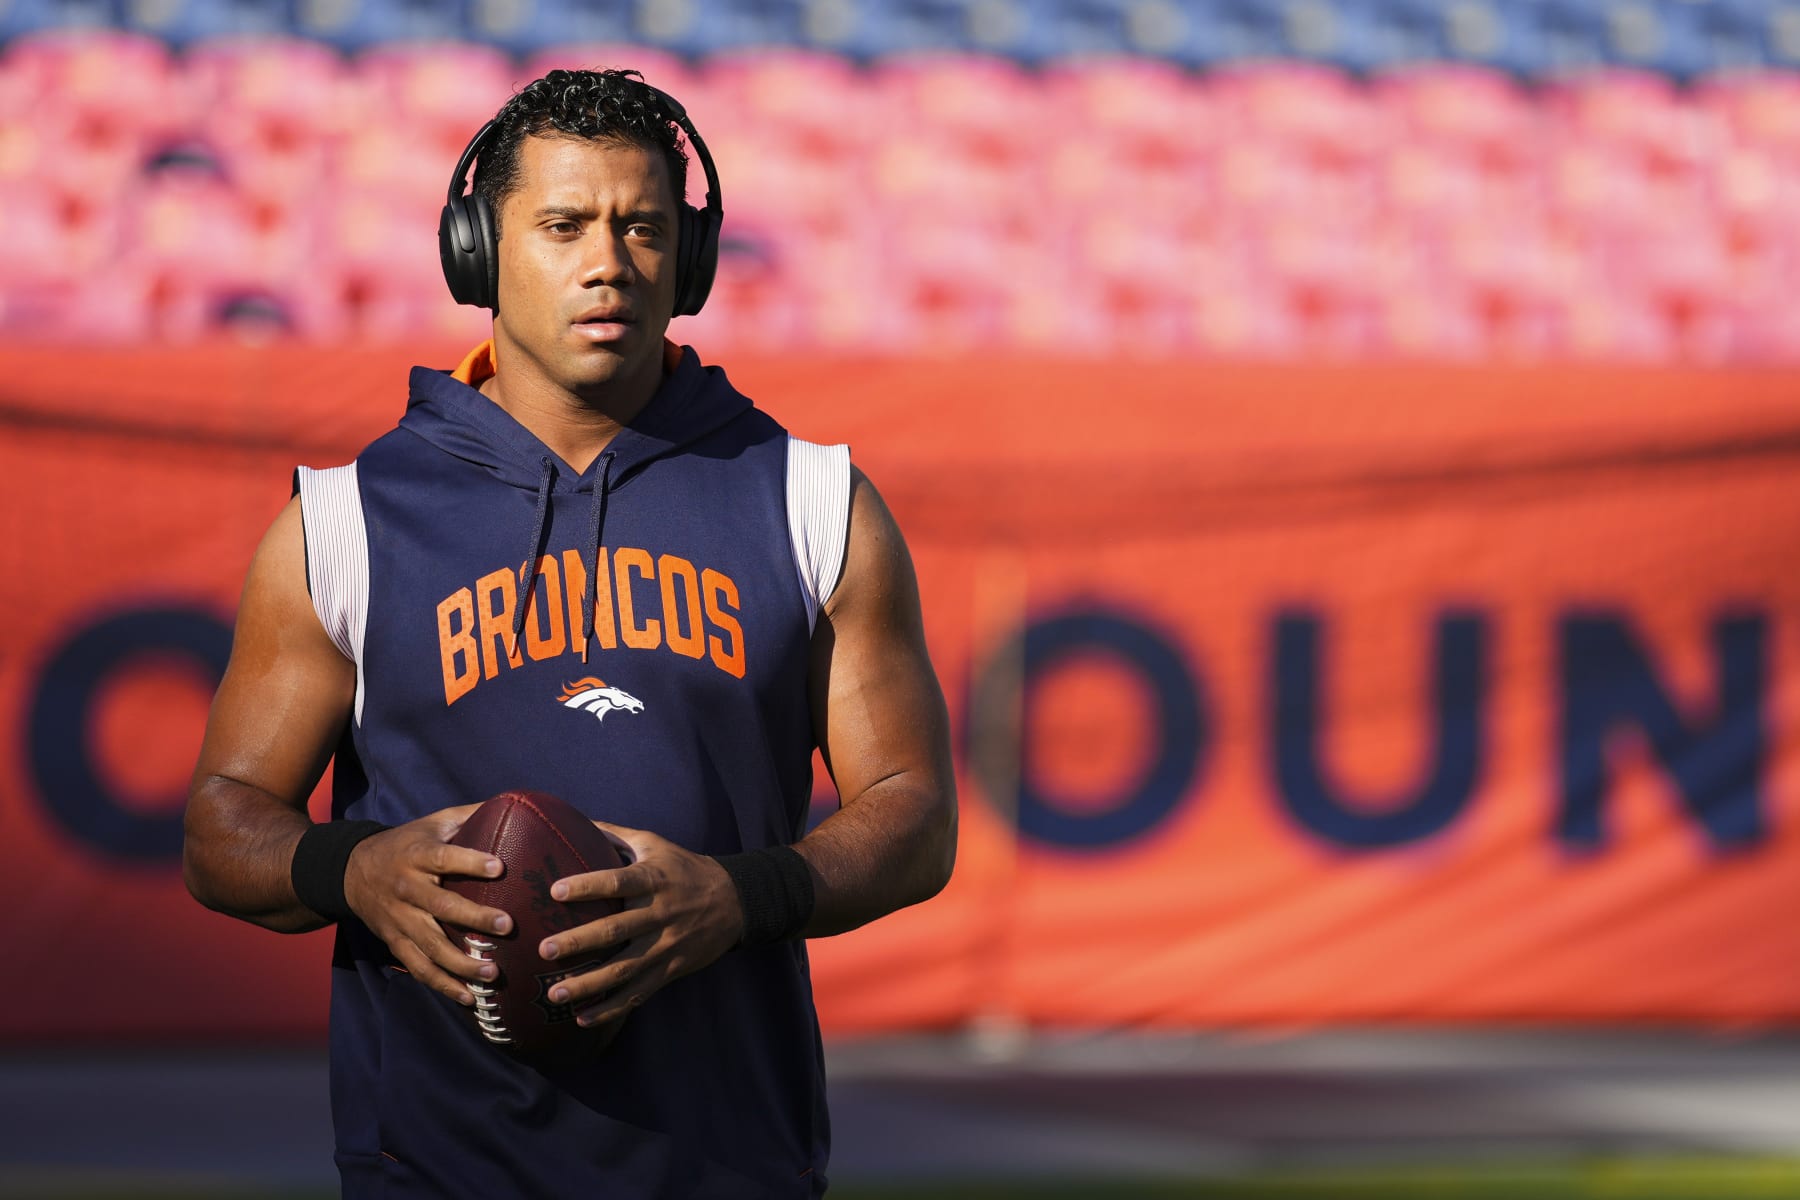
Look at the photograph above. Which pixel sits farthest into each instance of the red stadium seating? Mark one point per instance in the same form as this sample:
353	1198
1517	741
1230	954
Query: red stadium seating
438	94
936	203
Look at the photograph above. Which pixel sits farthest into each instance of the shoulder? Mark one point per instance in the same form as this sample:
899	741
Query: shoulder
877	566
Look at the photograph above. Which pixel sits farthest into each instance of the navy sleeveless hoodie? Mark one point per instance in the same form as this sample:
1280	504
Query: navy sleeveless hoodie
687	716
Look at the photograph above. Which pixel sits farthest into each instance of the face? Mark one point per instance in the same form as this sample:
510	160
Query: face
587	262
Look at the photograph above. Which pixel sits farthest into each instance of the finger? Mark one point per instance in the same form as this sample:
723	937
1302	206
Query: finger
453	909
426	972
618	1003
599	935
424	892
632	843
441	858
464	958
611	884
591	986
454	816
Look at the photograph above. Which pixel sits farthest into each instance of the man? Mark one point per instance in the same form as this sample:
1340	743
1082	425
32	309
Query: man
580	505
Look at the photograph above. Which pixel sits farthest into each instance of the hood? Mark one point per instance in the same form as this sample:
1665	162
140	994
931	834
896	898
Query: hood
693	401
446	410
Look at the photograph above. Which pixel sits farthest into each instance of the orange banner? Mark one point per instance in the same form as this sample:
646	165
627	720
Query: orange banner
1281	695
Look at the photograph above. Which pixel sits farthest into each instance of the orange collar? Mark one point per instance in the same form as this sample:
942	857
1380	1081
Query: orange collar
477	366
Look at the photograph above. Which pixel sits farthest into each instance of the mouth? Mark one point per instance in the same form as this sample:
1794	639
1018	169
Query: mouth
603	324
615	314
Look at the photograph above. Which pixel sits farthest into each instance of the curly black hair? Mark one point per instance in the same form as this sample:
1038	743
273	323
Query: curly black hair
606	106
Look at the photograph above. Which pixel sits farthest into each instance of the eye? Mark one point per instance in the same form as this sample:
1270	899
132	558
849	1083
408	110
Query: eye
563	227
641	230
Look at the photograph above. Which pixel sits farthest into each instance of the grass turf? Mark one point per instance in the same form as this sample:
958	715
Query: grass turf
1627	1179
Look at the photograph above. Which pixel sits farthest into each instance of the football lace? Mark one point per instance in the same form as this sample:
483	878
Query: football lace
487	1007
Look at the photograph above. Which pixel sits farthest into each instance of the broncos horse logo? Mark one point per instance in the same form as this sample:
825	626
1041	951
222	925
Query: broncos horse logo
594	696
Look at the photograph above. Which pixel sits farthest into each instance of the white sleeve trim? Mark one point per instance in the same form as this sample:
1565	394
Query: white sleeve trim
337	559
818	511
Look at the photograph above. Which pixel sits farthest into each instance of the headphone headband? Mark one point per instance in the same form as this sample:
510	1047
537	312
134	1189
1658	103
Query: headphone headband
467	240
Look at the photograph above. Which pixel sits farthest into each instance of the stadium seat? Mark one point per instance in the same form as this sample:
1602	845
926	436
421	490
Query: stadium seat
1760	109
528	27
48	236
440	95
989	104
881	27
1606	325
411	175
394	310
374	232
1423	186
945	200
1639	113
1399	33
359	24
1134	101
47	312
1570	35
303	84
795	88
20	17
659	67
1780	25
1312	110
702	27
1509	281
1098	31
274	109
1242	316
180	22
1229	32
204	309
1254	176
758	299
190	224
1475	108
1734	35
116	80
1439	323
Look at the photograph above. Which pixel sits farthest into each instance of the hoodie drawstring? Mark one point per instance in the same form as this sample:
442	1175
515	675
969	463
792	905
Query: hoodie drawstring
529	568
601	483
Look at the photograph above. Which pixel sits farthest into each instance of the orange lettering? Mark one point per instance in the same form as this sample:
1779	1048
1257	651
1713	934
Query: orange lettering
544	635
496	619
692	641
647	636
458	681
575	575
721	588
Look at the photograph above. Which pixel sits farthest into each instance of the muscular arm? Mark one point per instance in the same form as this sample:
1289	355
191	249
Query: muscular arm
277	715
884	732
276	718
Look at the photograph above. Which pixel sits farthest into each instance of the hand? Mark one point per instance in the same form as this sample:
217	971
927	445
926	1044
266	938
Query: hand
392	882
681	913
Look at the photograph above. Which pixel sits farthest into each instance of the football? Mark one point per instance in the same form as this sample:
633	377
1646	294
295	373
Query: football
539	839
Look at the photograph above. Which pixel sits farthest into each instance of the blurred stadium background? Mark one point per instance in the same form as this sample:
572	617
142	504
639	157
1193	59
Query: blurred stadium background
1349	446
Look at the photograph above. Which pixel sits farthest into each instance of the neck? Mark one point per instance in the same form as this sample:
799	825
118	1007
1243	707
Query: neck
575	425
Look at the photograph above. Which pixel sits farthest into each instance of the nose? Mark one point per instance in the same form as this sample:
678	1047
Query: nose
607	263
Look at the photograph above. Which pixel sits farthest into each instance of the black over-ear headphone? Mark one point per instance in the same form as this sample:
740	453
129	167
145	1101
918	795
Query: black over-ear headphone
467	241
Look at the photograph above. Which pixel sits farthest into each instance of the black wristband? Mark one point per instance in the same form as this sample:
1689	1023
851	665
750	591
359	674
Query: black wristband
319	862
775	887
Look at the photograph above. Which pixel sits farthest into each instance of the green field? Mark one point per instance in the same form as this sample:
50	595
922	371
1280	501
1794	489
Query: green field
1632	1179
1680	1180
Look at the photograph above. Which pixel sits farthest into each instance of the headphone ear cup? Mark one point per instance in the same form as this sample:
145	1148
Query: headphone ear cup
460	252
698	260
487	238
